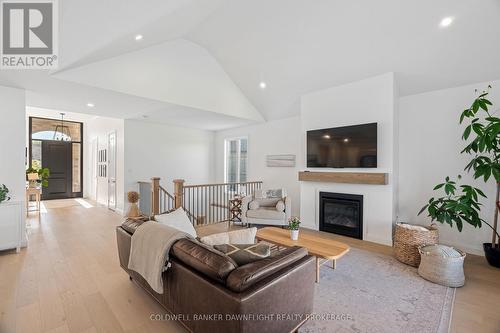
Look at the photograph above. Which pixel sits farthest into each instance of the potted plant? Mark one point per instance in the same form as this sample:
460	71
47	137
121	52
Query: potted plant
43	175
482	137
4	190
293	226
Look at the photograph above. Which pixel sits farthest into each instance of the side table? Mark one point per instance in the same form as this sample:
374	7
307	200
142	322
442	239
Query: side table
234	210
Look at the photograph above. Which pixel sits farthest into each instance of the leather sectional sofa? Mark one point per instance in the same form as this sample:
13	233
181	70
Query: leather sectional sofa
206	292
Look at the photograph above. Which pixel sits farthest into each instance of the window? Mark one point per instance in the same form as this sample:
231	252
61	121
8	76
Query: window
102	163
235	160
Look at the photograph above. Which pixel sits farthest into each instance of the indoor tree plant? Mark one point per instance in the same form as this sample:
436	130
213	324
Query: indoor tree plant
293	226
482	136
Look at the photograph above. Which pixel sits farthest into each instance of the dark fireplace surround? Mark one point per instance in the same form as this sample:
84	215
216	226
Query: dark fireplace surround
341	213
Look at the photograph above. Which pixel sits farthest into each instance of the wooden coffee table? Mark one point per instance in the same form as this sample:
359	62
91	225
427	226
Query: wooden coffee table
323	249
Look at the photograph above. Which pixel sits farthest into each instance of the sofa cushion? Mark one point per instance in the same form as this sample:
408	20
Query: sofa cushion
177	219
268	214
204	259
254	204
131	224
244	254
247	275
240	236
267	202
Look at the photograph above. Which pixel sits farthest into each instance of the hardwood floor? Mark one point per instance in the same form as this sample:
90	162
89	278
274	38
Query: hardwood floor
69	280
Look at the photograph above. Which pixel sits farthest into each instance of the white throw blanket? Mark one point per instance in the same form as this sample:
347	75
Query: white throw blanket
149	250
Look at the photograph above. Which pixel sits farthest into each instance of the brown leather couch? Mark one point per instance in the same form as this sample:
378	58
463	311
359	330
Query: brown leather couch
209	293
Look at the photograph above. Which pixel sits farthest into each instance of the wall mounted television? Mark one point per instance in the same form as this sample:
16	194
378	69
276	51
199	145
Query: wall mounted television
343	147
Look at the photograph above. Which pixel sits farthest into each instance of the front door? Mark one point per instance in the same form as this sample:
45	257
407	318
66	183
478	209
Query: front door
57	157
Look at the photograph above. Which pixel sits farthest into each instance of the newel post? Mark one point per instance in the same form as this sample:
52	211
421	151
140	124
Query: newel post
178	192
155	196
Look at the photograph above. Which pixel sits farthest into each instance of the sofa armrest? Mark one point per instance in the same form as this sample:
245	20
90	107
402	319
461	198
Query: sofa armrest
247	275
244	207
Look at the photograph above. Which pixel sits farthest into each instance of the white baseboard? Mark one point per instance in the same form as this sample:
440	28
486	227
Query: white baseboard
471	249
378	240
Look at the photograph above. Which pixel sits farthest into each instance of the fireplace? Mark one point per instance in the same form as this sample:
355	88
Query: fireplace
341	214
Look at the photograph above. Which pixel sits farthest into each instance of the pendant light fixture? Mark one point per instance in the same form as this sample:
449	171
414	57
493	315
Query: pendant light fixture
61	131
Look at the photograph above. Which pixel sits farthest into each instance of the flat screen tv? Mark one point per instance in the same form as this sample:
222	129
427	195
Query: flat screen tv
343	147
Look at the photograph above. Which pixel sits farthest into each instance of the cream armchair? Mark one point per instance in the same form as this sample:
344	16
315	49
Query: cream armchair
259	209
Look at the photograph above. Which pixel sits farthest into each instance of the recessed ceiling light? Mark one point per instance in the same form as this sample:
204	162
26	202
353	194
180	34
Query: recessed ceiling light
445	22
326	136
346	140
90	105
262	85
138	37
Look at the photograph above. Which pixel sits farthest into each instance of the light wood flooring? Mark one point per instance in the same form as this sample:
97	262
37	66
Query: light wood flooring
69	280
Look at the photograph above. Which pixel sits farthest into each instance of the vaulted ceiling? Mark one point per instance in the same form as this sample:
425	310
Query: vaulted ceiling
200	62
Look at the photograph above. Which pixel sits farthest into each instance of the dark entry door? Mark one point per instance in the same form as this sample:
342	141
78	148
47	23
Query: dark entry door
56	156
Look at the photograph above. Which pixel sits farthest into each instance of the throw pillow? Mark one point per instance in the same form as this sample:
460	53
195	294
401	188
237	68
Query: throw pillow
280	206
253	205
240	236
215	239
260	194
244	254
177	219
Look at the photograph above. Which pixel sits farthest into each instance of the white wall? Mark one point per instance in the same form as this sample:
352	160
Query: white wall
12	147
371	100
366	101
271	138
12	141
430	145
99	128
168	152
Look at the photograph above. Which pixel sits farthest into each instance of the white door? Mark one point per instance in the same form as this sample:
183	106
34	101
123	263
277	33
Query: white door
94	179
112	170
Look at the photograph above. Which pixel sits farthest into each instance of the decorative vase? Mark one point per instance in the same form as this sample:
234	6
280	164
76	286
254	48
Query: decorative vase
294	234
33	179
133	210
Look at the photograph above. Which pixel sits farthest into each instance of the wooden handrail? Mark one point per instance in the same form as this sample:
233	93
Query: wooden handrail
222	184
166	192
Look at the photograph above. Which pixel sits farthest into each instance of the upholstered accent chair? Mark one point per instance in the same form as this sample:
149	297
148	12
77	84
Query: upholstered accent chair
269	207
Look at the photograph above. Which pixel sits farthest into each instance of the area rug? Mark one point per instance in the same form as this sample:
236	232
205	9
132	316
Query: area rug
375	293
60	203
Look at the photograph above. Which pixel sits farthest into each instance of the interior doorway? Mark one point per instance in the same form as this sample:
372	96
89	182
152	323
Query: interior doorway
112	171
57	144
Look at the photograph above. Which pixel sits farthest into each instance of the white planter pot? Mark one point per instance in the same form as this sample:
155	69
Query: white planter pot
294	234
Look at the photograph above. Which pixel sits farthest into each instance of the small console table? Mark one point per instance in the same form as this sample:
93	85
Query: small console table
37	192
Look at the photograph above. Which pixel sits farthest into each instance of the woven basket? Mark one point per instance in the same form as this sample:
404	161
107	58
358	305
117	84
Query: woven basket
407	241
444	270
